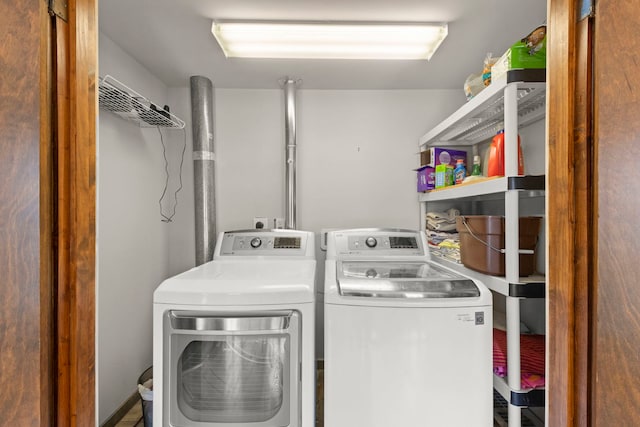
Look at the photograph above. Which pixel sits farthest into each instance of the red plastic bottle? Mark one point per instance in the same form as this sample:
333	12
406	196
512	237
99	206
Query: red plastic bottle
496	156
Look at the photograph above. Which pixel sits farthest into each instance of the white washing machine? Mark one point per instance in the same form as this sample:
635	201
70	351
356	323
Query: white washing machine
234	338
408	342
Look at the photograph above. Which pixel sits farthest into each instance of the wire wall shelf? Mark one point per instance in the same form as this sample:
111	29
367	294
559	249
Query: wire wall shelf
130	105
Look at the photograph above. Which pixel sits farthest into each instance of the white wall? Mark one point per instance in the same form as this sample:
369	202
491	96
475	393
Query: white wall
356	155
133	243
181	245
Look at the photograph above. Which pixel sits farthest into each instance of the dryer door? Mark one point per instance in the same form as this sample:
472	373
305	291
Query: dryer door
240	370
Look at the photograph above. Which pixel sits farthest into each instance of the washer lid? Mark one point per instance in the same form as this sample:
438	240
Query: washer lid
414	280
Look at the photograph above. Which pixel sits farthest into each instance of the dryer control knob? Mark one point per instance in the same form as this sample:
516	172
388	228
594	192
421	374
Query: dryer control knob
256	242
371	242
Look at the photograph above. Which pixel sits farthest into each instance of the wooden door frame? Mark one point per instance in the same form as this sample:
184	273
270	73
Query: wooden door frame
74	174
569	213
568	221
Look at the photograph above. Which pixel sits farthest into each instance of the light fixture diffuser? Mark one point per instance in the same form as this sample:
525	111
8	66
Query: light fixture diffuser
334	40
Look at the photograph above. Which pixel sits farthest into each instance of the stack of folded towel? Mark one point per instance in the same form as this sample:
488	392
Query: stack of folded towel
442	221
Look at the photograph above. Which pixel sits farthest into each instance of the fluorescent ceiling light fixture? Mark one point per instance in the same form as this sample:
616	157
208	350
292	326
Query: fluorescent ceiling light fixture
332	40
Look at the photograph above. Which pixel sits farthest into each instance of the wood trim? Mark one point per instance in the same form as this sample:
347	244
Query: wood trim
82	154
83	65
561	213
76	201
584	220
47	224
63	193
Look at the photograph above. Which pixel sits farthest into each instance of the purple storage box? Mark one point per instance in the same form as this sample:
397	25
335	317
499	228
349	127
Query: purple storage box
426	178
444	155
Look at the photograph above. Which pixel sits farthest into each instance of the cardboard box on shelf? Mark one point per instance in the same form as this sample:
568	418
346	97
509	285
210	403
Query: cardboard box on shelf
424	158
444	176
446	156
426	178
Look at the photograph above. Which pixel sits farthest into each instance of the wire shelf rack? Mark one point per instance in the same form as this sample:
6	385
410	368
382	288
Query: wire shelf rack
119	99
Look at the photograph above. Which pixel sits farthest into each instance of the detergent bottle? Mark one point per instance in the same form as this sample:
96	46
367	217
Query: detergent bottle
496	156
460	172
476	166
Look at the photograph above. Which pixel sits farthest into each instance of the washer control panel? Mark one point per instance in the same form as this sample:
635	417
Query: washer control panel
264	243
378	242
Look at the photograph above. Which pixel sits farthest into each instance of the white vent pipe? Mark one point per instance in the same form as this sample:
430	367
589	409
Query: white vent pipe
290	152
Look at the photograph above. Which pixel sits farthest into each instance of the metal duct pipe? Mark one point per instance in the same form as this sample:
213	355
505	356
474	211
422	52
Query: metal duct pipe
203	167
290	153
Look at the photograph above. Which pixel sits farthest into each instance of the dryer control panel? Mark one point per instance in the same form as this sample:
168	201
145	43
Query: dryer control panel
265	243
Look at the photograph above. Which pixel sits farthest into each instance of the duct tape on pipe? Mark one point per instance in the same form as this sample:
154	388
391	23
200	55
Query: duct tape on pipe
204	155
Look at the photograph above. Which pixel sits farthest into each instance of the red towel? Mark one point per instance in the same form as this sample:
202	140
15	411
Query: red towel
532	355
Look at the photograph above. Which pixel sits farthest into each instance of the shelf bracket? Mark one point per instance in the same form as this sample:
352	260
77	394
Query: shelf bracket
533	398
529	290
528	182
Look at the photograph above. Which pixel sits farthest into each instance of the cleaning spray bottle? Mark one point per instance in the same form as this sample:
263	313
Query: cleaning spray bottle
460	172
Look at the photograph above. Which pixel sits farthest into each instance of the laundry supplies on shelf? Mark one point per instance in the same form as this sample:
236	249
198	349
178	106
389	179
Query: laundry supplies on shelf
496	156
460	172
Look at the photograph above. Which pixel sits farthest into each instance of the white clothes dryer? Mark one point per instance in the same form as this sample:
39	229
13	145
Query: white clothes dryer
408	342
234	338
